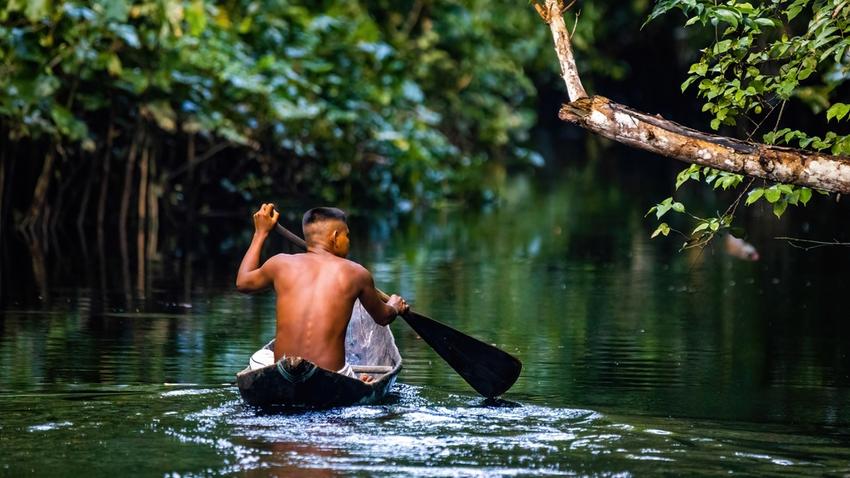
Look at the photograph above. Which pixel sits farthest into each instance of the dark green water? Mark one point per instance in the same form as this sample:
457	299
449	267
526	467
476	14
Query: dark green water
638	360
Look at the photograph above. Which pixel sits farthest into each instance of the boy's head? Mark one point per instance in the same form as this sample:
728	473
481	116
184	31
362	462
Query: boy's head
326	226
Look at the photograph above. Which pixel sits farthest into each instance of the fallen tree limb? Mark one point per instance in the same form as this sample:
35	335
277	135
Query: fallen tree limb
667	138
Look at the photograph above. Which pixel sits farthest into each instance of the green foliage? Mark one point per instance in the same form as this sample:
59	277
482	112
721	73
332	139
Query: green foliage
763	55
755	60
404	101
664	207
705	228
716	178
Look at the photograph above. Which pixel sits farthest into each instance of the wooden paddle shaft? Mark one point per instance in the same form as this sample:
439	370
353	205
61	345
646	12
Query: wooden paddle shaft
296	239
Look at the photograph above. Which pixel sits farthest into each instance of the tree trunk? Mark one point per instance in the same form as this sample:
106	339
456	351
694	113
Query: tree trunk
40	192
189	189
655	134
84	203
128	183
153	213
104	181
59	203
39	271
2	186
142	211
125	205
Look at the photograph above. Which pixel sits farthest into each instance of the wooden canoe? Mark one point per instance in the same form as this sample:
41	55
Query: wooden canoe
295	382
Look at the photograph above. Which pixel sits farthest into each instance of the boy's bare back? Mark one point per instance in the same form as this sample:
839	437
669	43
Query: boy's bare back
315	295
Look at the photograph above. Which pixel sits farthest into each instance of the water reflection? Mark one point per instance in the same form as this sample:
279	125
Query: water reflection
748	359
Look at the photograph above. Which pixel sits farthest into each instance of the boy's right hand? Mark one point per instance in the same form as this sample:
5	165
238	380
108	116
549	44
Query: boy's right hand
265	218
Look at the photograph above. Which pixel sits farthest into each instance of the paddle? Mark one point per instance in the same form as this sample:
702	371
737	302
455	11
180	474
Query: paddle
489	370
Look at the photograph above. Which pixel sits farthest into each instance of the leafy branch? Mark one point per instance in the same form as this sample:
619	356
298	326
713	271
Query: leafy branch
754	65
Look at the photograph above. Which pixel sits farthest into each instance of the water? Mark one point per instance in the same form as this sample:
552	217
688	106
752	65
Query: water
637	359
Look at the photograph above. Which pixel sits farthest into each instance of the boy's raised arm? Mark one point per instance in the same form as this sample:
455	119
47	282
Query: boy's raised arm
251	277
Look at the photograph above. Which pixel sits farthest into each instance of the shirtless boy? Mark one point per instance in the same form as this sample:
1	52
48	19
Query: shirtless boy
316	290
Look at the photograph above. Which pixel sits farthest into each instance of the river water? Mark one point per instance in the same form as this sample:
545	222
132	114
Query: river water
638	359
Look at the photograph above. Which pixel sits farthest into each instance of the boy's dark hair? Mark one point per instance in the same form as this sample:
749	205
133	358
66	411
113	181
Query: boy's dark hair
319	214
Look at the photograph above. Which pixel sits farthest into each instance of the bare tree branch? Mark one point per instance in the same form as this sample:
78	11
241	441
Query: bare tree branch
798	243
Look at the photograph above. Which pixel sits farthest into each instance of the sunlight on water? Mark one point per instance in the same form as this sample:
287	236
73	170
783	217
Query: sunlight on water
454	435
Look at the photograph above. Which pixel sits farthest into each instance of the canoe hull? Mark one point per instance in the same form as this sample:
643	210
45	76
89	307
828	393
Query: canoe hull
294	382
309	386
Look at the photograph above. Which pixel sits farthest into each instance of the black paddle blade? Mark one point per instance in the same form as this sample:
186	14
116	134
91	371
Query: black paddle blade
489	370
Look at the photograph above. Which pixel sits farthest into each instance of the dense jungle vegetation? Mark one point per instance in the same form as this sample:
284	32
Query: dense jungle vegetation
139	104
137	110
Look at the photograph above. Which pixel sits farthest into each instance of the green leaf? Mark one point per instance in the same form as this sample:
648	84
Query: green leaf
114	65
686	174
37	9
743	7
804	143
722	46
805	195
779	208
772	194
728	16
794	10
688	82
162	113
67	124
701	227
765	22
662	7
196	17
754	195
700	68
173	10
794	197
117	10
837	111
662	228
